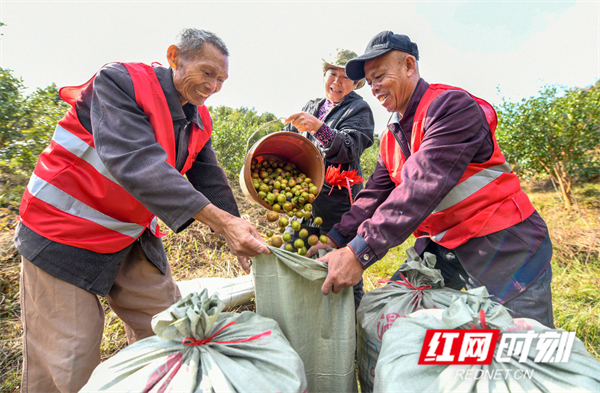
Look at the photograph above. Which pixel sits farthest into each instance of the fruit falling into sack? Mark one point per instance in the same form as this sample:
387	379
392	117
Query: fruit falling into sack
290	193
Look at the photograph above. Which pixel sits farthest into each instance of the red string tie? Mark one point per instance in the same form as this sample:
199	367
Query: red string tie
482	317
192	341
482	321
418	295
406	283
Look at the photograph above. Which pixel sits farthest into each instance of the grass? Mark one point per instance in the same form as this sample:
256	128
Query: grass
576	302
575	236
198	252
383	269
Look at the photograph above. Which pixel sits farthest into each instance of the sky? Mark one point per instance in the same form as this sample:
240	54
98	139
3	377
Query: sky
494	49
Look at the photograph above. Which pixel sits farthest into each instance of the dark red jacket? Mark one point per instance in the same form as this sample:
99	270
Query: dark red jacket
384	216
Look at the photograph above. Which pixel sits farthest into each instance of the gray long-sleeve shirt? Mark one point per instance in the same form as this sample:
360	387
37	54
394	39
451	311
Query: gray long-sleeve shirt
126	144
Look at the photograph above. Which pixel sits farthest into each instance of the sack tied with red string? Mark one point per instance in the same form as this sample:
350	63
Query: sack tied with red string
518	368
197	348
421	287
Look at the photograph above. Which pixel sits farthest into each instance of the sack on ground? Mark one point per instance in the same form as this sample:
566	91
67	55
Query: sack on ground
524	370
422	287
199	349
231	291
320	328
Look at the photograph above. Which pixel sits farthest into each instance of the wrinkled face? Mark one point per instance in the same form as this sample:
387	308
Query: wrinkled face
389	79
198	77
337	84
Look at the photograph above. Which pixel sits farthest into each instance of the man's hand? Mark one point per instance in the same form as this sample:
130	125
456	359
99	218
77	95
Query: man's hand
320	246
244	263
304	122
344	270
241	236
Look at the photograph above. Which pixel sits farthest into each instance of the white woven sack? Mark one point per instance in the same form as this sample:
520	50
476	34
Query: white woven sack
320	328
199	349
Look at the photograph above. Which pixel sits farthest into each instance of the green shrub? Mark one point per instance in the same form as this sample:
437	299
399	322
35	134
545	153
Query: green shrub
232	132
27	122
368	160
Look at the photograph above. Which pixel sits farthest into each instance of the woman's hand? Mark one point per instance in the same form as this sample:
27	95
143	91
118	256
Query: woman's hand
320	246
304	122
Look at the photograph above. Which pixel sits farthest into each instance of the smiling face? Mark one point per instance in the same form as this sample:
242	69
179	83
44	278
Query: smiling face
199	76
392	78
337	84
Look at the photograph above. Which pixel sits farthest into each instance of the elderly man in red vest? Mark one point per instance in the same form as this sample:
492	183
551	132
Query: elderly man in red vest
88	219
441	176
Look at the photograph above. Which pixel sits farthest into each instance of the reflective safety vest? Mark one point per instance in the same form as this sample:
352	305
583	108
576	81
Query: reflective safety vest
488	197
71	197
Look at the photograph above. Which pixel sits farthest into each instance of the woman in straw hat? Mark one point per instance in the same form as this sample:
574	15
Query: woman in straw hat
341	127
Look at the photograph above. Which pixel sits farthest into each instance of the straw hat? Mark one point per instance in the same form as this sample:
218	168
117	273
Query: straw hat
338	59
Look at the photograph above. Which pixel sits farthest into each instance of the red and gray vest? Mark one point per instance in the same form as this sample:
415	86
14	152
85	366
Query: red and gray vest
488	197
71	197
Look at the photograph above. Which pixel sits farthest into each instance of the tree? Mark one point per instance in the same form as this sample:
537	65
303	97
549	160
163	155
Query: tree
27	123
368	160
11	106
553	134
232	129
42	111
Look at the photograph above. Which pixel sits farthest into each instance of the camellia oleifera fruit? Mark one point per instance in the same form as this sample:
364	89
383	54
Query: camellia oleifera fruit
299	243
313	240
272	216
296	225
278	182
277	241
289	192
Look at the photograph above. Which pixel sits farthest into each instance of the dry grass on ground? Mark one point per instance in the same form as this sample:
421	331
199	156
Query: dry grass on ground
10	312
197	252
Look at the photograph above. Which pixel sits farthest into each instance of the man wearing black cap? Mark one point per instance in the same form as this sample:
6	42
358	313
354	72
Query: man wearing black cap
442	176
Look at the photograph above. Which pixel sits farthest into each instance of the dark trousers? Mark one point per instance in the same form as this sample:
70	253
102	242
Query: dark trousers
534	303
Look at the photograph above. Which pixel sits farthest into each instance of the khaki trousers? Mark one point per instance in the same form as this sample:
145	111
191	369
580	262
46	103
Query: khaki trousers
63	324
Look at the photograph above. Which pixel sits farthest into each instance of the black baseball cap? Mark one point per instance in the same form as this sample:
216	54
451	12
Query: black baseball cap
381	44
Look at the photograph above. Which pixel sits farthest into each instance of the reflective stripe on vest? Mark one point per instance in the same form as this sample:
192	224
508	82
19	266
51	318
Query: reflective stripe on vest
471	185
438	238
54	196
487	198
73	199
65	202
80	149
